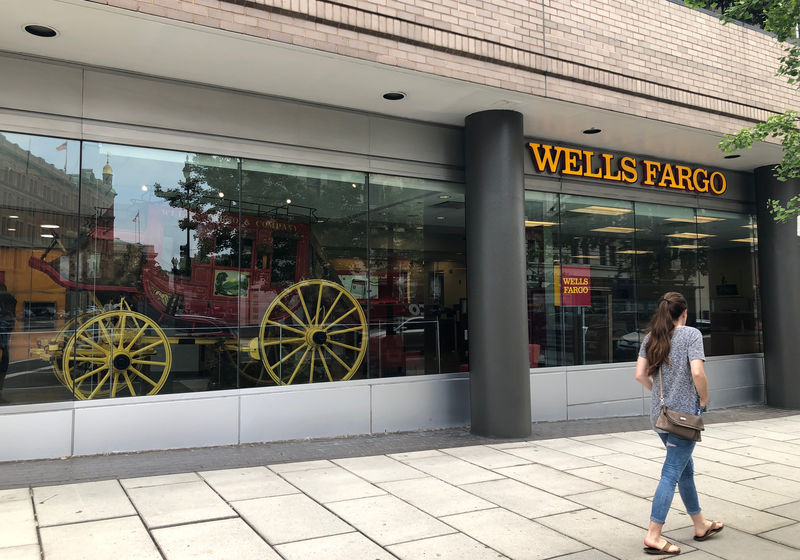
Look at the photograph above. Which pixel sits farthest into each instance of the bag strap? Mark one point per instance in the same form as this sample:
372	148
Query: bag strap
661	382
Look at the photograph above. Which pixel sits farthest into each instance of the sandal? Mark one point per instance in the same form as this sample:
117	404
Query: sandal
716	527
664	550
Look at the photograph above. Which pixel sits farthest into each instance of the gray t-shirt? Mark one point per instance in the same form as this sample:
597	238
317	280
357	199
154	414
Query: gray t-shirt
680	393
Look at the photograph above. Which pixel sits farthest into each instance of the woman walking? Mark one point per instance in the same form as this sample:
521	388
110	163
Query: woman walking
675	352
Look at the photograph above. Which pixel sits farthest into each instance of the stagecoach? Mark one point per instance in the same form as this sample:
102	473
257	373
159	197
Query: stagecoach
241	296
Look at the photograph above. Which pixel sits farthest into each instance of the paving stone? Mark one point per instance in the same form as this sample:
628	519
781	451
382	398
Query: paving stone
349	546
416	455
631	509
550	480
789	535
784	471
739	493
633	483
435	496
730	457
741	517
719	443
603	532
141	482
587	555
514	535
84	501
638	465
226	539
783	446
486	457
389	520
521	498
123	537
767	455
575	447
379	468
792	511
295	517
301	466
249	482
17	523
776	485
14	494
186	502
24	552
630	447
551	457
452	469
737	545
332	484
725	472
448	547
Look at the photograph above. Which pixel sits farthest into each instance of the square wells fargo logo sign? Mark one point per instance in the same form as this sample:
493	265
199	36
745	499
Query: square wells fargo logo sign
573	285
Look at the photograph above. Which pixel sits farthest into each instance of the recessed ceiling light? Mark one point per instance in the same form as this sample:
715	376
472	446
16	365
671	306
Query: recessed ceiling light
615	229
603	210
41	30
536	223
634	252
585	256
592	130
12	229
13	217
691	247
394	95
288	201
48	235
746	240
733	156
689	235
695	220
50	226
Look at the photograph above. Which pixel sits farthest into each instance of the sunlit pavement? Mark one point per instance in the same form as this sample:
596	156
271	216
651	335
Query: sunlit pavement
575	491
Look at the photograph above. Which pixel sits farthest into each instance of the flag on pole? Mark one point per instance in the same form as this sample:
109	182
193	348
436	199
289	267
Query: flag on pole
136	217
62	147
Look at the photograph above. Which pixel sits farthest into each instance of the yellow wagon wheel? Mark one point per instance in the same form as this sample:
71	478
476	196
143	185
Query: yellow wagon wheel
117	353
314	330
59	342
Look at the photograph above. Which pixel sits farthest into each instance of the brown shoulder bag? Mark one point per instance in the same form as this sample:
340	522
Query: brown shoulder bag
682	424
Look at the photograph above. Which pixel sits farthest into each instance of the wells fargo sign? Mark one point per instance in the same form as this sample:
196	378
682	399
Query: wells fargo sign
573	285
626	169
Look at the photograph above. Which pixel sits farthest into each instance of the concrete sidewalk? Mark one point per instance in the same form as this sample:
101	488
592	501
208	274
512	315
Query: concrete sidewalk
575	491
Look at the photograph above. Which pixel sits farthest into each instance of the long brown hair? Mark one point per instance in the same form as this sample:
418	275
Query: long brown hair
670	307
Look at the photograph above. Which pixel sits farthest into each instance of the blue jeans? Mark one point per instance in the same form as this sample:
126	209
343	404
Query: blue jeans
678	469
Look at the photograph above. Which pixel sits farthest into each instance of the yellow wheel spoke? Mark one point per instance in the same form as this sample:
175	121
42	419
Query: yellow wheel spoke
114	385
93	344
143	376
90	359
319	302
290	354
146	348
102	328
289	311
299	364
303	303
338	359
311	368
99	385
351	329
122	335
89	374
353	310
128	383
135	338
328	314
354	348
148	363
325	365
276	341
288	328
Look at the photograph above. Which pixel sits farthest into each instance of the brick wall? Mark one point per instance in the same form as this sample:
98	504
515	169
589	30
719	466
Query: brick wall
657	59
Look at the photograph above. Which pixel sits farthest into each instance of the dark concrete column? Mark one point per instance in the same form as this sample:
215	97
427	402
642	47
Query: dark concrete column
779	276
497	305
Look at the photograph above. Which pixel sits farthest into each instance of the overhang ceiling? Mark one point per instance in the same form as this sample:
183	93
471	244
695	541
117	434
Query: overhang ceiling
102	36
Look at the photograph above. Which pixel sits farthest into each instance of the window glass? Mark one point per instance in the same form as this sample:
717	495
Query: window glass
39	182
596	299
151	314
728	307
543	261
306	316
417	277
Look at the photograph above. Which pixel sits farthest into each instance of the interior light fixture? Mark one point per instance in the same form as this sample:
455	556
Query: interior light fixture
288	201
746	240
221	194
444	196
748	226
354	185
534	223
634	252
41	30
13	217
695	220
12	229
49	226
440	217
687	246
394	95
593	130
603	210
585	256
689	235
615	229
47	235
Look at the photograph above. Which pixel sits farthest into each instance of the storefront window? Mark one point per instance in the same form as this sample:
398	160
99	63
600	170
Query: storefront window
418	282
39	182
